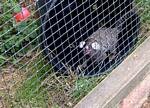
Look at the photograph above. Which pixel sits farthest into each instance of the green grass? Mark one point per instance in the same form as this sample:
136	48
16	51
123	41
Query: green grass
84	86
144	10
29	93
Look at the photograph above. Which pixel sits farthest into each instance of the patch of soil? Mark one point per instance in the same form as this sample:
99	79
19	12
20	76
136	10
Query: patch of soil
59	89
10	79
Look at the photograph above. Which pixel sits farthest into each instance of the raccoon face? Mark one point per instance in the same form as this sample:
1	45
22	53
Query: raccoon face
89	48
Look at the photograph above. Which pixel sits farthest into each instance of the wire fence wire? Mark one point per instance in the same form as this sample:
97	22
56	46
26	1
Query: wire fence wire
53	52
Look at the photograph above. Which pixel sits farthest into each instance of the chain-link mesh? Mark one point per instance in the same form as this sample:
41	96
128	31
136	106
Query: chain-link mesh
53	52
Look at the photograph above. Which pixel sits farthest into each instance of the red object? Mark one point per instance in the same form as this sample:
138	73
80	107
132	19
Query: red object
23	15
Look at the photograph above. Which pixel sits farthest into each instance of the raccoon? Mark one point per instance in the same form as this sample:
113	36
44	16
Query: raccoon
100	45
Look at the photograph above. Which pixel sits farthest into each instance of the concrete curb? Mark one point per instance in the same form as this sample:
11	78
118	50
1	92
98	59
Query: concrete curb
121	81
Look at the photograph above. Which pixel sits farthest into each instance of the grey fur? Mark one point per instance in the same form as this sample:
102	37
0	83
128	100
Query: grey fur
107	39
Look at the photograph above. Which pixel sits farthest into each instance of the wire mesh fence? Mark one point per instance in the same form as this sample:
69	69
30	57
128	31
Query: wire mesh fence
53	52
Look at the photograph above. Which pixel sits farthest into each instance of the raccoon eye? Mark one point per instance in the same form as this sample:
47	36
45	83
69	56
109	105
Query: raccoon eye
95	46
81	44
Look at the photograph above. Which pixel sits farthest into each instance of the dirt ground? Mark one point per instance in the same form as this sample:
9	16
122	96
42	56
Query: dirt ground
10	77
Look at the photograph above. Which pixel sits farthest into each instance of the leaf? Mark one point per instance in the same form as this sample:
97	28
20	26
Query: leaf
22	26
2	57
2	60
17	8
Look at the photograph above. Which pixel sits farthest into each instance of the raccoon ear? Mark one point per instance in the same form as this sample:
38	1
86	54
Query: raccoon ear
81	44
95	46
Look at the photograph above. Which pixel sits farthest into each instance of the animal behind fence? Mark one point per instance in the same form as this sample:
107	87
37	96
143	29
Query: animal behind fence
70	22
58	55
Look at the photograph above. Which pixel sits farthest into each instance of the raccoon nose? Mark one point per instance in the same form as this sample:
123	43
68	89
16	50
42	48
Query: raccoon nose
87	47
88	51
